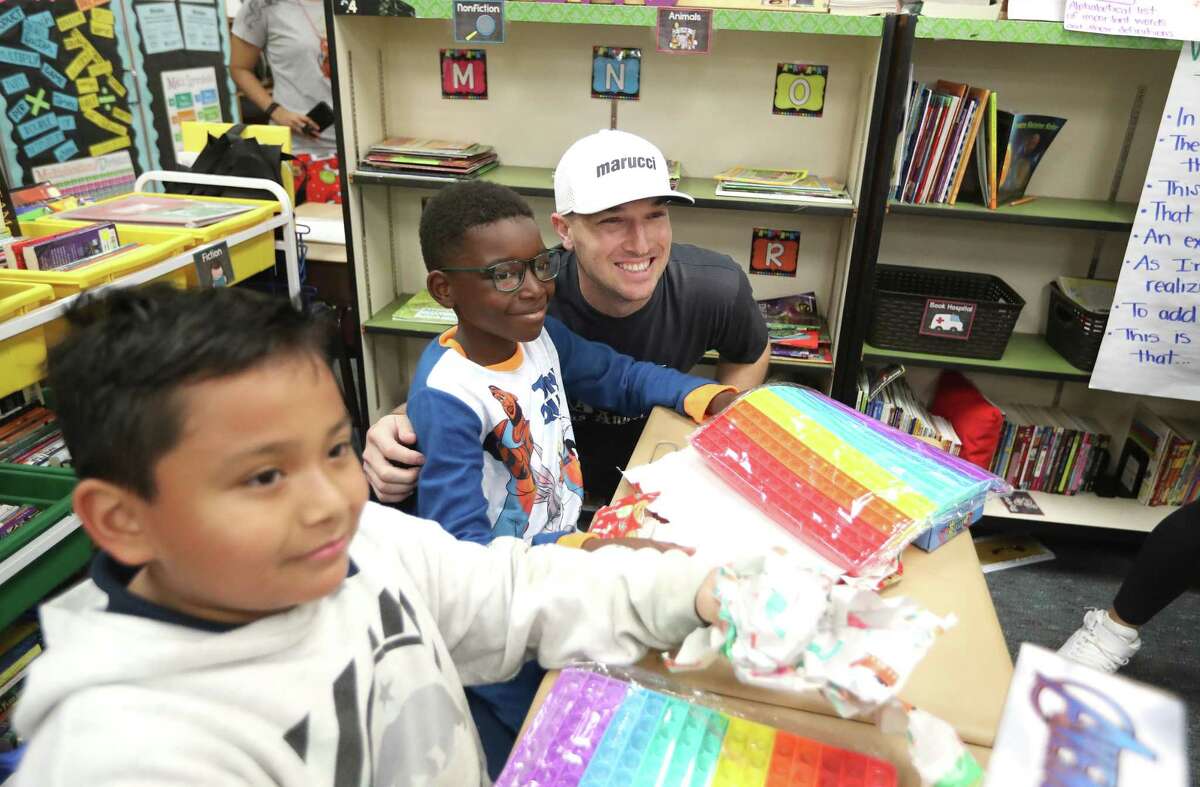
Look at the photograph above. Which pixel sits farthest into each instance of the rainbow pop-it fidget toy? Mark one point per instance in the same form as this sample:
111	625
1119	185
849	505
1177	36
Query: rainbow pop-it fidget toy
851	488
596	731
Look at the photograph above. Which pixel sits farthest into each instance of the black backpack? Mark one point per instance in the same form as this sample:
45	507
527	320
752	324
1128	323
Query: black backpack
233	154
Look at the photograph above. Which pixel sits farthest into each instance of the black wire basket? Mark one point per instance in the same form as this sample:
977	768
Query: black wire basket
969	315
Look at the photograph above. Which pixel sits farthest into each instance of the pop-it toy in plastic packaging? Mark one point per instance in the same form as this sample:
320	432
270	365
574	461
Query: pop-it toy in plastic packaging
597	731
851	488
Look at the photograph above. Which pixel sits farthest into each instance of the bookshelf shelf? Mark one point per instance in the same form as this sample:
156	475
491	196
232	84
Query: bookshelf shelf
539	182
645	16
1047	211
1087	510
1027	355
382	323
1024	32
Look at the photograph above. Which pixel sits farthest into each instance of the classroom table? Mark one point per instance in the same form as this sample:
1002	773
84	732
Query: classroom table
963	680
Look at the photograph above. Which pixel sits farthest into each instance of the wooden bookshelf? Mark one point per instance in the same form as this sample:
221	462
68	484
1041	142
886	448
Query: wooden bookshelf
1084	214
539	182
1086	510
1027	355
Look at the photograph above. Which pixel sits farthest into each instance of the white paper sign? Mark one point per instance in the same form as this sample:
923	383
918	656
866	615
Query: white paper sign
1179	19
1152	343
1065	723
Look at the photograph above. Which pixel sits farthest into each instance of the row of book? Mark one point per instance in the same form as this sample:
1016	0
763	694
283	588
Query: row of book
67	250
895	404
956	142
795	328
20	644
421	158
1045	449
31	436
1160	461
780	185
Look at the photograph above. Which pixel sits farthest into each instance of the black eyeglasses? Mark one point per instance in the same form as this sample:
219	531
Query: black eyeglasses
509	275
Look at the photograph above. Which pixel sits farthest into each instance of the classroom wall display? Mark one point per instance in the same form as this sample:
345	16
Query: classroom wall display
93	177
190	94
774	252
61	84
464	73
684	31
616	72
1152	342
82	78
1178	19
180	53
800	89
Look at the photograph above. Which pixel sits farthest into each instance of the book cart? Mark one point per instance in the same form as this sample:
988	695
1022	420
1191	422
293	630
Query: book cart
1112	90
709	112
48	549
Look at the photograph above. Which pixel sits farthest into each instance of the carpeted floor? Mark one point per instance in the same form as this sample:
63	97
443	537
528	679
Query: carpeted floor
1044	602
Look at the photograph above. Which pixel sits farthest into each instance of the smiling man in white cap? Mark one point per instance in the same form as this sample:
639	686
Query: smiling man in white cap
622	282
626	284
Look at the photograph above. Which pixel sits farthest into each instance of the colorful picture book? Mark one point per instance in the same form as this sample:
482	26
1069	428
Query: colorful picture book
796	329
151	209
66	249
421	307
1046	449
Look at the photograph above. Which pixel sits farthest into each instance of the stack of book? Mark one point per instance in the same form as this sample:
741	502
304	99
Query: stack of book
13	515
420	158
795	328
781	185
20	644
67	250
955	141
897	406
31	436
152	209
1044	449
1160	461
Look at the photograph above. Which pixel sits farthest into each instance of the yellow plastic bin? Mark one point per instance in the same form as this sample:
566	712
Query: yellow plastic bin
22	356
247	258
156	245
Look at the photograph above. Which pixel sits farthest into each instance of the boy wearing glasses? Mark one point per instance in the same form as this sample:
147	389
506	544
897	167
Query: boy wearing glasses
489	396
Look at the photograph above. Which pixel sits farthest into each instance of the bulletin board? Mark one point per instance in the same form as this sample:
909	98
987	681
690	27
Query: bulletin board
82	78
61	84
181	55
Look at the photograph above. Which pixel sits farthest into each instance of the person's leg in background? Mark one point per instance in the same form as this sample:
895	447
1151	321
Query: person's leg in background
1167	564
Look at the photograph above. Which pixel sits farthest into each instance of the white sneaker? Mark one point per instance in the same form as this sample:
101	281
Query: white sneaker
1101	642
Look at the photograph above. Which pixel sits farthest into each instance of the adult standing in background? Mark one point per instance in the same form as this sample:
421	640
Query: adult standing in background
292	34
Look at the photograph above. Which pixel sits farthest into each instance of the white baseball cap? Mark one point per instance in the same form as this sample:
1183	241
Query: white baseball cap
610	168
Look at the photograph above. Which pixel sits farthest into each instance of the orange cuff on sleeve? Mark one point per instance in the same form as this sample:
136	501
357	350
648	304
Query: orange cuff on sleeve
575	540
696	403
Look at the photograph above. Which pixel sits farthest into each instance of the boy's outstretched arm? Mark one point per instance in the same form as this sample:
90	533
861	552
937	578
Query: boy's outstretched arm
498	606
598	375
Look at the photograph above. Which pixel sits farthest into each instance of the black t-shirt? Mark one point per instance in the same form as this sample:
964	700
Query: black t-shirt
702	302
